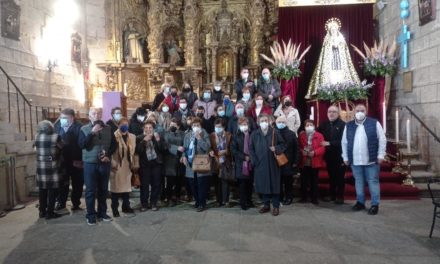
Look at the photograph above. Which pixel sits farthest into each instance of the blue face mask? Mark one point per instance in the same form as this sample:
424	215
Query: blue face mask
218	130
240	111
64	122
206	96
221	113
281	125
123	128
266	77
226	101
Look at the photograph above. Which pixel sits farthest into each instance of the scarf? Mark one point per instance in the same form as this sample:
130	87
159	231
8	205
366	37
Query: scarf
150	151
221	145
246	168
191	149
125	148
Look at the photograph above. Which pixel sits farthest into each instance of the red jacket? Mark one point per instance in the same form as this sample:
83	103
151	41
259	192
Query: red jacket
169	101
318	158
264	110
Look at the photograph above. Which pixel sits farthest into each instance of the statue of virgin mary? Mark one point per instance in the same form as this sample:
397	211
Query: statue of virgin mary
334	64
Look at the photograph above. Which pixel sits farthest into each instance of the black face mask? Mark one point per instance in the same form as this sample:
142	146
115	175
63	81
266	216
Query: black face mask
288	103
173	94
173	129
200	115
187	90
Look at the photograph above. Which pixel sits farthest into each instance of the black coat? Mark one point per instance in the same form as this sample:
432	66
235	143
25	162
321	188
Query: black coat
266	170
112	125
159	148
291	151
239	85
172	157
71	150
179	115
237	148
332	132
136	127
233	124
191	98
158	99
218	97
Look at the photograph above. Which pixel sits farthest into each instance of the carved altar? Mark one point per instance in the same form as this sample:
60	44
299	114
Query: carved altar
201	41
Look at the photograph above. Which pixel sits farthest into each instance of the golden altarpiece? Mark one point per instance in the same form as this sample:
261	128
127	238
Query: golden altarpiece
150	42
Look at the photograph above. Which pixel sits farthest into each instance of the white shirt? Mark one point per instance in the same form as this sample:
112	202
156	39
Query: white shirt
360	145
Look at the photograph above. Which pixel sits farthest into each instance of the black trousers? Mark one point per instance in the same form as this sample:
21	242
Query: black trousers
125	200
336	172
309	180
245	187
47	200
286	187
150	175
224	185
75	175
171	188
200	189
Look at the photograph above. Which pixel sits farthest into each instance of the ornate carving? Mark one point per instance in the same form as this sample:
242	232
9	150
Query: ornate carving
111	78
137	85
10	19
154	38
191	17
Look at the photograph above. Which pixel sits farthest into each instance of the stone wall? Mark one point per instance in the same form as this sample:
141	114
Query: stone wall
424	62
25	62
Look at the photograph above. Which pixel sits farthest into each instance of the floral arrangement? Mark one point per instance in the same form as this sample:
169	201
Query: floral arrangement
379	60
343	91
286	59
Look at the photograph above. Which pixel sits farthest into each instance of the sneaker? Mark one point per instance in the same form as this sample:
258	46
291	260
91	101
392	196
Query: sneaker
143	209
105	218
62	211
358	207
154	208
91	222
373	210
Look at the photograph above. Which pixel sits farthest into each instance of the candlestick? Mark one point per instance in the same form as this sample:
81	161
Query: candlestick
397	126
384	118
408	135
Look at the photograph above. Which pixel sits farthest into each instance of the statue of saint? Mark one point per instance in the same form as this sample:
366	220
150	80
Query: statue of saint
173	51
133	45
334	64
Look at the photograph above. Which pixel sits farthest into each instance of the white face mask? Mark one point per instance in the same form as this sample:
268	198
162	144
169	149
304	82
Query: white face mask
264	125
165	109
183	106
244	128
246	96
140	118
117	117
240	111
217	88
206	96
167	90
360	116
196	129
259	103
310	129
245	75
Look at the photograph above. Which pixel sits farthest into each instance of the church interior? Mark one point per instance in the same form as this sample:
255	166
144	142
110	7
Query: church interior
74	53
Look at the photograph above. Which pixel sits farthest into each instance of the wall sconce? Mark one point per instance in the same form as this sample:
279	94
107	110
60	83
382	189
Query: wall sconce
51	64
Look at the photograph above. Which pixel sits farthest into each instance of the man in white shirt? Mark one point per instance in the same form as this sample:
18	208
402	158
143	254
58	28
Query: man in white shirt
363	148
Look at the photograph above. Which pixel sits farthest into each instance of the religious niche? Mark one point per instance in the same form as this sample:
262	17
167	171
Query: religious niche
173	46
136	82
134	43
10	19
75	53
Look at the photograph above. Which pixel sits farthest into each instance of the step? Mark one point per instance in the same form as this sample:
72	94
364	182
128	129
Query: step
424	192
415	165
20	147
412	154
420	176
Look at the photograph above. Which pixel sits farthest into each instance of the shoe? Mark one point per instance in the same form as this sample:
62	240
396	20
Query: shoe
91	222
244	208
62	211
315	201
59	207
105	218
42	214
201	209
128	210
264	210
143	209
154	208
287	202
373	210
52	216
358	207
116	213
251	205
339	201
76	208
275	211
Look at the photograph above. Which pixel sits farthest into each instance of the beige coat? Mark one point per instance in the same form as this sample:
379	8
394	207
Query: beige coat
293	119
120	176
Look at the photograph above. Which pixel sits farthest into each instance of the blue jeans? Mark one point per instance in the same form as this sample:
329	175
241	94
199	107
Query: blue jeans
96	177
275	200
369	174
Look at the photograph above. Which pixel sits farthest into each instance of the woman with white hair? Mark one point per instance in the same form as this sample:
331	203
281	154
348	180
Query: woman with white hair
48	147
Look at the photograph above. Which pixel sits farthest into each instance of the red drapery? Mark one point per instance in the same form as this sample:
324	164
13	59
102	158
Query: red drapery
306	25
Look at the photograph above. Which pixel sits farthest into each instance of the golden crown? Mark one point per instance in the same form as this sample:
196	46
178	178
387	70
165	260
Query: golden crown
333	21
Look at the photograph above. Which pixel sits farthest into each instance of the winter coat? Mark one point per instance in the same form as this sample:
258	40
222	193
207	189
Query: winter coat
203	147
172	157
71	151
122	160
266	170
293	119
49	160
291	151
252	112
158	99
239	85
237	148
233	124
135	127
318	158
218	96
228	157
209	107
159	148
270	87
191	98
173	103
332	132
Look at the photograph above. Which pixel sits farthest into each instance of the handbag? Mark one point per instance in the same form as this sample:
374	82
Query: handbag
227	171
201	163
281	158
135	179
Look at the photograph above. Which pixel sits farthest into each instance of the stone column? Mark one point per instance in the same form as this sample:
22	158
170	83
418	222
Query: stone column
155	36
214	64
257	27
191	17
234	68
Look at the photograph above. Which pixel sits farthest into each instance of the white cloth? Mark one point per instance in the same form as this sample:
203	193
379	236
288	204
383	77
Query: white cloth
293	118
360	145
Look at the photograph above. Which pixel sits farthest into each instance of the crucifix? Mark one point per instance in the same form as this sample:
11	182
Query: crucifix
403	39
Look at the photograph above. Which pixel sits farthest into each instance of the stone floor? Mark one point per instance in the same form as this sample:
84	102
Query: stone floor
301	234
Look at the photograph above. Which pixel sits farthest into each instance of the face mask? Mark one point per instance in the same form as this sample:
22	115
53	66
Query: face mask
259	102
123	128
173	129
226	101
240	111
246	96
360	116
281	125
167	90
196	129
187	89
288	103
174	94
117	117
264	125
244	76
206	96
200	115
310	129
140	118
266	77
218	130
221	113
183	106
165	109
217	88
64	122
244	128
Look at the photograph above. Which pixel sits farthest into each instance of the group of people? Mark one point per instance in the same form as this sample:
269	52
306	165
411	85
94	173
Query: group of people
253	144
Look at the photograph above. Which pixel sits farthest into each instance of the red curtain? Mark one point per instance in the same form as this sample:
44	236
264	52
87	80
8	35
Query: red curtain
306	25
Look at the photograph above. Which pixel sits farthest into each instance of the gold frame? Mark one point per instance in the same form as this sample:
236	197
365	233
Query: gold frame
287	3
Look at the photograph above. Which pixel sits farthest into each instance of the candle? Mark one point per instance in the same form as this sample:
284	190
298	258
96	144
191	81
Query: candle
125	88
384	118
408	135
312	113
397	126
